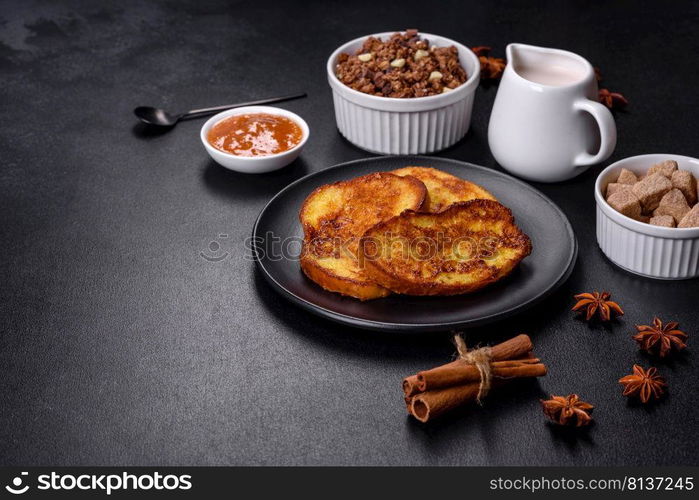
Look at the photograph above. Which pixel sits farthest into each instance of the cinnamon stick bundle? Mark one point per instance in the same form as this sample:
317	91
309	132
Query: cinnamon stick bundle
431	393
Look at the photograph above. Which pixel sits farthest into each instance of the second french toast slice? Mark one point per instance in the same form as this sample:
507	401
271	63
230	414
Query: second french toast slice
462	249
443	189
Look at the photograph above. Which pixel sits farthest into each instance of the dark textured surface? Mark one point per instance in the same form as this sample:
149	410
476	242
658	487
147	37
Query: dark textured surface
120	344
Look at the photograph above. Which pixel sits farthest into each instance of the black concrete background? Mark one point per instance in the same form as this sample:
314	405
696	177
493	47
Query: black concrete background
120	344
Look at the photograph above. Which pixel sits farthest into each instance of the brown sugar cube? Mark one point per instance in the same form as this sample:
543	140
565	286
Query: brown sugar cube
673	203
665	168
663	220
627	177
687	183
651	190
691	219
644	218
613	187
626	203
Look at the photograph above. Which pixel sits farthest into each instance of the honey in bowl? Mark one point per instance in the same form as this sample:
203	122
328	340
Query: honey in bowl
255	134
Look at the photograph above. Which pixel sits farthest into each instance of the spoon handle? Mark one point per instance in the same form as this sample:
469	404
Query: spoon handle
210	111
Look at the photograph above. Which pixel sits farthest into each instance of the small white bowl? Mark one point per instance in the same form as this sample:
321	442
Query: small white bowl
418	125
254	164
652	251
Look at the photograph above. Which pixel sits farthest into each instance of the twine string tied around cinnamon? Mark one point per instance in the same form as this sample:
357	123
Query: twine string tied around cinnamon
481	358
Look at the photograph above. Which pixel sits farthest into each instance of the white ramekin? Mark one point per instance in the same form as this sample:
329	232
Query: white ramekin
418	125
254	164
652	251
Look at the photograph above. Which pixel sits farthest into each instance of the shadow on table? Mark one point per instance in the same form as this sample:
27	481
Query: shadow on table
423	349
144	131
572	437
235	185
440	435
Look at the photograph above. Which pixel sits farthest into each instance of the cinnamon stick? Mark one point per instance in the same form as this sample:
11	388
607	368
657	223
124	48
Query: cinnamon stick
516	347
410	385
513	348
429	405
408	402
462	372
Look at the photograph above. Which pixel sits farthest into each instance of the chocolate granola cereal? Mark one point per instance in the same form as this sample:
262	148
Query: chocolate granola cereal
402	66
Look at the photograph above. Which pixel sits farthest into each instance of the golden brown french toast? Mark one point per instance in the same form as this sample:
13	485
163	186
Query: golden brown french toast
334	218
466	247
444	189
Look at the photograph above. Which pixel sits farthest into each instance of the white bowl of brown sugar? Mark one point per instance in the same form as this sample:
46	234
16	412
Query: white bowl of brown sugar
648	215
403	93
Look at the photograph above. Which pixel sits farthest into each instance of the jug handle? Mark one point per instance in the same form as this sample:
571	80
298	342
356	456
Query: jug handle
607	129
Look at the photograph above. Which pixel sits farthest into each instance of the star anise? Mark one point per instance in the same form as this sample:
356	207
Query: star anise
491	67
596	302
613	100
568	410
481	50
643	384
659	338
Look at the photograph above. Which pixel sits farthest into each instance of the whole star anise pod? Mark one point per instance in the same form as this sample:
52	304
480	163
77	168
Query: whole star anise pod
599	303
491	67
568	410
643	384
613	100
659	338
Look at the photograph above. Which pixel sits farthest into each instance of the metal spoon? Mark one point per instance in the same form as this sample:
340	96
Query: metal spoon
161	118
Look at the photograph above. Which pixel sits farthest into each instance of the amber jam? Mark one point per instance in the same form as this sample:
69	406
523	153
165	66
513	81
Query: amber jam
256	134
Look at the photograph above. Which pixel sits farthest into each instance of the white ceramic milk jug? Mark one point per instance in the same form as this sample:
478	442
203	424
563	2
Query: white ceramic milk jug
547	124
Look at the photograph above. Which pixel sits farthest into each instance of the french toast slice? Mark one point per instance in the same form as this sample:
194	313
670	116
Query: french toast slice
444	189
466	247
334	218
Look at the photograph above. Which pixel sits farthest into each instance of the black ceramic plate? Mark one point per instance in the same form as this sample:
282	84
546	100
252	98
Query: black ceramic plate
548	266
